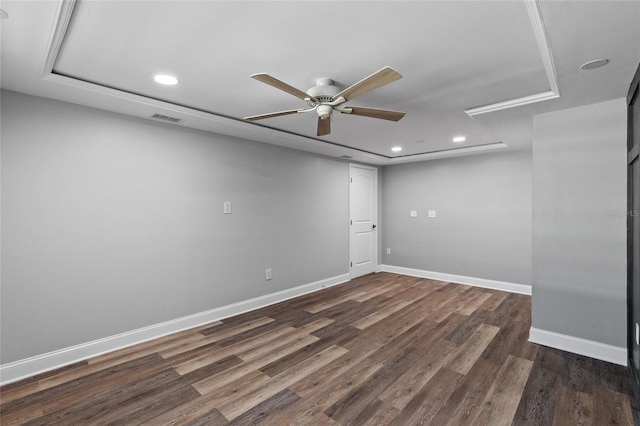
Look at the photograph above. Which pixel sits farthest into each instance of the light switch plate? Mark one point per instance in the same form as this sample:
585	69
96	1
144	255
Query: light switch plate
227	207
432	213
413	213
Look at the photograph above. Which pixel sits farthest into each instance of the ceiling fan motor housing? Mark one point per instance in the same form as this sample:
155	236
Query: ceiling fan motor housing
324	90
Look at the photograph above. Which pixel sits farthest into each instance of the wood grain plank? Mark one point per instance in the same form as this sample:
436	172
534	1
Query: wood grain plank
538	400
400	393
500	347
65	394
464	358
254	347
380	290
211	369
216	333
270	346
381	314
611	407
573	408
324	387
253	395
378	412
336	301
355	401
426	404
211	383
199	410
337	333
340	375
413	338
260	413
497	297
465	401
86	410
501	402
473	304
218	353
230	390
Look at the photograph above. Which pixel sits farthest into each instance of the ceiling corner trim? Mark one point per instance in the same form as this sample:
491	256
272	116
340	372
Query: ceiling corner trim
454	152
545	96
535	15
540	32
58	30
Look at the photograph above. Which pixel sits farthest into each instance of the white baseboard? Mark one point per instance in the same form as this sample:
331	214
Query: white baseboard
28	367
461	279
577	345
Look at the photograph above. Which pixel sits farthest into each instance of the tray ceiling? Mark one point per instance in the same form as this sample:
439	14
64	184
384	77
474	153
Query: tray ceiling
455	57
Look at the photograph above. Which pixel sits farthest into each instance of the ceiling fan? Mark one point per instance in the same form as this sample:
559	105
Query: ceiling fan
325	97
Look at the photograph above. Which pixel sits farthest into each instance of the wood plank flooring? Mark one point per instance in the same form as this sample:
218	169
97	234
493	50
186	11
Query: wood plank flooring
381	349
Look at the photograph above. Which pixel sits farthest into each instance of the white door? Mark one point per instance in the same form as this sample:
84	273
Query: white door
363	241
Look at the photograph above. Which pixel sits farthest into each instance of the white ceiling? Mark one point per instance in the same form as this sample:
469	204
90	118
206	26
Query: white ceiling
476	68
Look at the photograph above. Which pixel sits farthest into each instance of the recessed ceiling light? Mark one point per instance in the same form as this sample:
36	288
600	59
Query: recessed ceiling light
458	139
165	79
396	149
592	65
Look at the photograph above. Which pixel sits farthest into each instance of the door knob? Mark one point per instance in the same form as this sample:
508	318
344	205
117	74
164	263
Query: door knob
374	227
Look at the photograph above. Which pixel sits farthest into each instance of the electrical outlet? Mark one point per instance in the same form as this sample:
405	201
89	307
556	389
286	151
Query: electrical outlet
388	251
431	213
267	274
227	207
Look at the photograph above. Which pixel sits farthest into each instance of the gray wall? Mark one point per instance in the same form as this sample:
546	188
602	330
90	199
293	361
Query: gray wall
579	224
483	223
111	223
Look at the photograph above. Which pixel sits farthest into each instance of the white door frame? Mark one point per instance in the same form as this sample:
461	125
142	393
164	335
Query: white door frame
374	215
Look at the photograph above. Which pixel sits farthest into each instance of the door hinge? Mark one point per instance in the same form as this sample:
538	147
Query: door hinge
351	222
351	264
351	180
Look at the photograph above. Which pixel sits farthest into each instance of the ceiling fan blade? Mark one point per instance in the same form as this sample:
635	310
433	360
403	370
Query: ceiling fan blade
273	114
384	114
272	81
378	79
324	126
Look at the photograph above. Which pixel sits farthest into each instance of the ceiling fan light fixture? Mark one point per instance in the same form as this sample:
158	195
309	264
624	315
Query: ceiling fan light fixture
458	139
167	80
324	111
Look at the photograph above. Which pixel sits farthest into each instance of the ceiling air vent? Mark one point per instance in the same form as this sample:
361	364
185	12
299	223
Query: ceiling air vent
167	118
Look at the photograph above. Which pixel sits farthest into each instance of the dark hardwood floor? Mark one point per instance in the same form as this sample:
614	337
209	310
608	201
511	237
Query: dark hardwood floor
381	349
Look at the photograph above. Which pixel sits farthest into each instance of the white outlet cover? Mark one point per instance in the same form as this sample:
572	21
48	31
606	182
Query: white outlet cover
413	213
432	213
227	207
